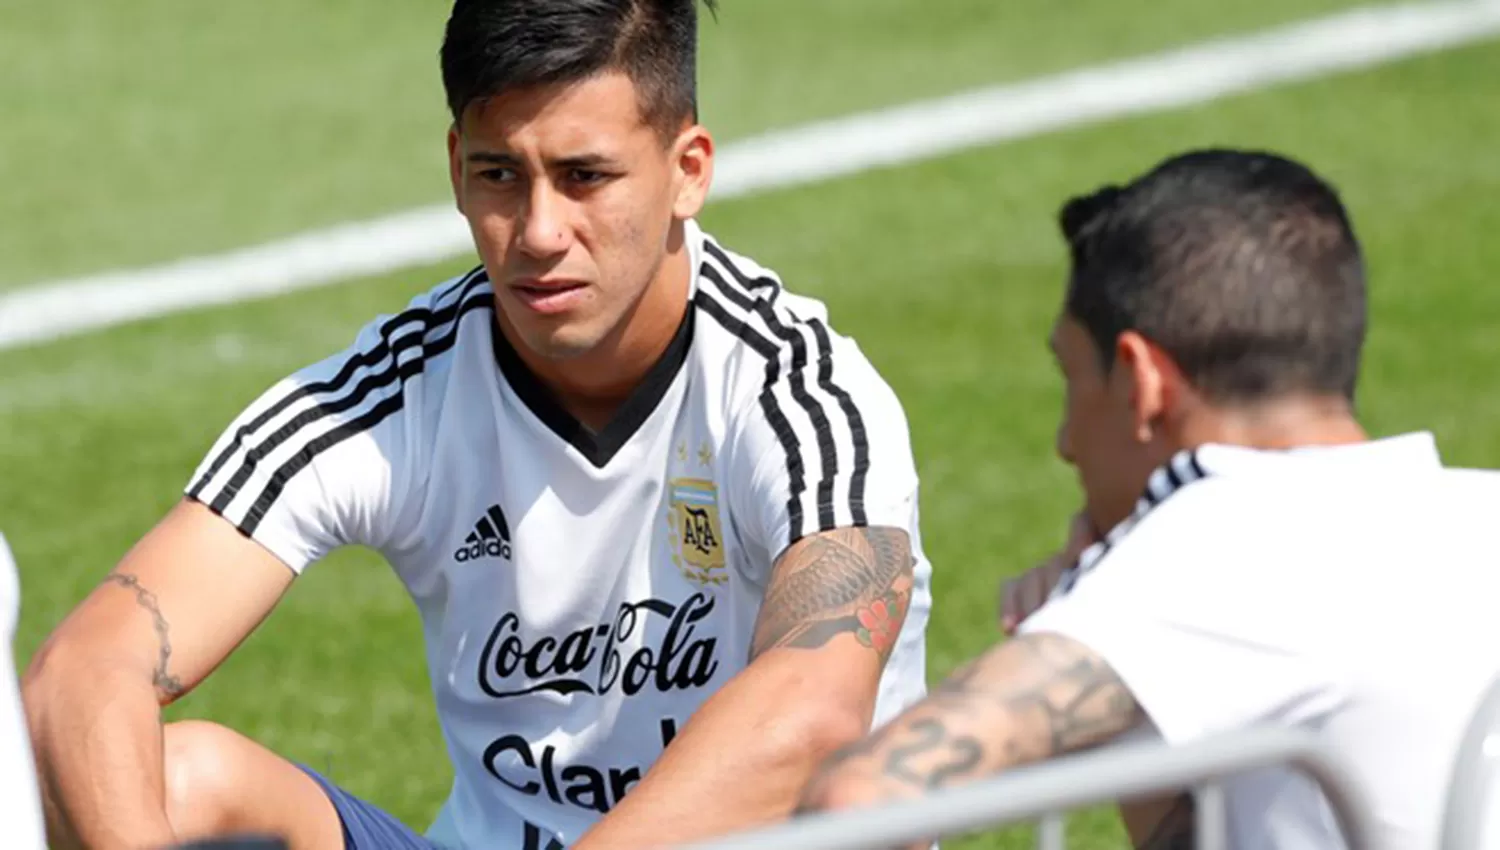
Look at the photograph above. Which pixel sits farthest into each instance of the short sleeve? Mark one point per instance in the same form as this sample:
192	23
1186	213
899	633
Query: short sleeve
824	446
1191	611
314	463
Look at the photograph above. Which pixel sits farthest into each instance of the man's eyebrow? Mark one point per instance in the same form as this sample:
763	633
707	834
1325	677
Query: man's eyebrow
588	160
492	158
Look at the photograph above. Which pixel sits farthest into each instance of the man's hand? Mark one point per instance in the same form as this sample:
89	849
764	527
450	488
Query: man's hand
1020	597
1027	700
834	607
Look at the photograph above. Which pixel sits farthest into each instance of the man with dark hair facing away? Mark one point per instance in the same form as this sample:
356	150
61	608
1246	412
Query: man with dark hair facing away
1259	560
658	518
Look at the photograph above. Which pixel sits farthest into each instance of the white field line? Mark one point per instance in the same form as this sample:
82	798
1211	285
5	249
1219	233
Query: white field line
1355	39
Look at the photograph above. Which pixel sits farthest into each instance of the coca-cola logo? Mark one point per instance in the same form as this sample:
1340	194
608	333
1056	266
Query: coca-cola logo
595	660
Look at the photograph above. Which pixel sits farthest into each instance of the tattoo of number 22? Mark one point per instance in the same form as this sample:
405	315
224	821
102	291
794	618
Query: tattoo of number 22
847	581
166	684
1029	699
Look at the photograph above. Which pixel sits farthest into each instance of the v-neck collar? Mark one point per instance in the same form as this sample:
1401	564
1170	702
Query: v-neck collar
602	446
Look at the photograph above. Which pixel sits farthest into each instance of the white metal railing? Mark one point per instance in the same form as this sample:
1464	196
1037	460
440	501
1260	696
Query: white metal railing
1471	817
1044	792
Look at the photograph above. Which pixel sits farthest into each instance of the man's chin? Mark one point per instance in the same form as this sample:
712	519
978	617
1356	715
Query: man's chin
553	339
561	346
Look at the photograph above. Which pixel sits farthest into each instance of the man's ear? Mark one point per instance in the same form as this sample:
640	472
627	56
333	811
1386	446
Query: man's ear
1147	373
456	165
693	171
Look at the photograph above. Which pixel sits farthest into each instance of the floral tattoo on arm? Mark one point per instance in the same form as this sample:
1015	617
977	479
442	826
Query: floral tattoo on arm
855	581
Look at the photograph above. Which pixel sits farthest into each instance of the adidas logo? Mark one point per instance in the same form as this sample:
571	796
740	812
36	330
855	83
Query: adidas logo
489	539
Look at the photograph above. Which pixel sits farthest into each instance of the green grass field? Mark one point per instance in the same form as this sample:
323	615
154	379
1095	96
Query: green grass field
142	131
947	271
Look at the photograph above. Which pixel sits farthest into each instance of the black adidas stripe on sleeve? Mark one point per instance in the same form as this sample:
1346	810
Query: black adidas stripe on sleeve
430	330
797	380
391	345
753	295
858	435
782	428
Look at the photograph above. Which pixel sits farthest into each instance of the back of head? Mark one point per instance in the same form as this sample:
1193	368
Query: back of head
494	46
1242	266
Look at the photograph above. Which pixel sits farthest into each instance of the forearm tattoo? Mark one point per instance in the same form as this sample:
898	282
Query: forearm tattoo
1029	699
168	687
854	581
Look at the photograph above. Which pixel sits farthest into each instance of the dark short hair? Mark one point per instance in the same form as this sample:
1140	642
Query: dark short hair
494	46
1242	266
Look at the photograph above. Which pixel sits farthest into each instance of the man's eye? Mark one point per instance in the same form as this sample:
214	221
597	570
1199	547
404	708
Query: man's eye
585	177
499	175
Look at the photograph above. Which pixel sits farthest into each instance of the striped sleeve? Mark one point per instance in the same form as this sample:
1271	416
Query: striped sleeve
319	460
823	443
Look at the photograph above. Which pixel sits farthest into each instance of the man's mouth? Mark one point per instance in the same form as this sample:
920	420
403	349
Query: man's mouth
549	296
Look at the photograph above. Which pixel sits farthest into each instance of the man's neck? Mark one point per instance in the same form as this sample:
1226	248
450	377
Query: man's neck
593	385
1280	425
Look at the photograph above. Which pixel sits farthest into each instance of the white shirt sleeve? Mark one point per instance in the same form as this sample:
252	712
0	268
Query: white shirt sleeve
824	447
1198	615
20	805
319	460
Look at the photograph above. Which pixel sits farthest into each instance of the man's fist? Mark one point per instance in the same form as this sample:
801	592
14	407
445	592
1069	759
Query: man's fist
1021	596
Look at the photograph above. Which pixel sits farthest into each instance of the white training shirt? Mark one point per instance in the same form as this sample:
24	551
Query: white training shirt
1352	590
20	805
581	595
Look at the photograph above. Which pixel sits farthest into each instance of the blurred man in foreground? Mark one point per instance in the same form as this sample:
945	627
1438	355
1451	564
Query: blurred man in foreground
20	805
1265	562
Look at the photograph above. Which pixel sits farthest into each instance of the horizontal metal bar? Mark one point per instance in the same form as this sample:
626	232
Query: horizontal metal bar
1123	771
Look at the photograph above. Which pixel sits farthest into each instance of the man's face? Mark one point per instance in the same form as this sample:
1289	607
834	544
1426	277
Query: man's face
571	197
1101	431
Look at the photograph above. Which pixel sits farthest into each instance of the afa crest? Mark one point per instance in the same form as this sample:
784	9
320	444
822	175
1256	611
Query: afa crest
697	536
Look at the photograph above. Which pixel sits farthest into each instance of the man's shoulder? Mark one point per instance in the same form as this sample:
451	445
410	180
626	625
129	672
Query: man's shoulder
401	361
800	400
392	350
349	412
1467	486
750	316
428	326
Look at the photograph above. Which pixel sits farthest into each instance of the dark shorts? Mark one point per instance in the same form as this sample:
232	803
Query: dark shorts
366	826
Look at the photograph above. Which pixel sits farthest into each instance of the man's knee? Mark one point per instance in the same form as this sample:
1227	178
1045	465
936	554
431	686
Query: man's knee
205	773
218	783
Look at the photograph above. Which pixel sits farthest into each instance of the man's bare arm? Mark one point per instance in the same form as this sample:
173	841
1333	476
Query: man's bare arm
851	581
834	606
168	614
1026	700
